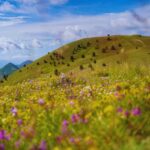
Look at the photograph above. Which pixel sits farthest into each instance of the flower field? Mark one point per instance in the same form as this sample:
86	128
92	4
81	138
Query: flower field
68	112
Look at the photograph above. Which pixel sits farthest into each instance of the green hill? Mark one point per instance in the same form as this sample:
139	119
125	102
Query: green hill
102	51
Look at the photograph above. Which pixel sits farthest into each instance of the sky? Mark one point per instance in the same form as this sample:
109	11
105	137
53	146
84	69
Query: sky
30	29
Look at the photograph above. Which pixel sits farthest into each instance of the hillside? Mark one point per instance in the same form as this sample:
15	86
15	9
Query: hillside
100	101
100	51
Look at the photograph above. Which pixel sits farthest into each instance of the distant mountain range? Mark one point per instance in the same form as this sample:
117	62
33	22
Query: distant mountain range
10	68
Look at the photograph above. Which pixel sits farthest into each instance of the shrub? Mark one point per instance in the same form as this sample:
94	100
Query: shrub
120	45
103	50
38	63
95	62
5	77
72	58
108	37
104	65
1	81
88	44
93	54
56	72
81	67
91	67
113	47
45	61
83	56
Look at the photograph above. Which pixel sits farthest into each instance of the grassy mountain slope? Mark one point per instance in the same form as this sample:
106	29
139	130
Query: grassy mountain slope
109	51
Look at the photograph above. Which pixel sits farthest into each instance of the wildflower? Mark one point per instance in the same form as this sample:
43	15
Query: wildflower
64	128
2	134
127	113
28	133
136	111
19	122
43	145
109	109
71	103
41	102
2	147
119	110
17	144
59	139
65	123
75	118
14	111
72	140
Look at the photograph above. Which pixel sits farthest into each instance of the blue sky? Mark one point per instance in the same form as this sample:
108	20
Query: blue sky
31	28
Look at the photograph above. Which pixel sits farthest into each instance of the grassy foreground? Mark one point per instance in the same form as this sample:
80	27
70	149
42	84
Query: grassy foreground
69	112
94	107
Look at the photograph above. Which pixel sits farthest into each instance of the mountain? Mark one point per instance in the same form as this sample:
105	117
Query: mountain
97	52
27	62
8	69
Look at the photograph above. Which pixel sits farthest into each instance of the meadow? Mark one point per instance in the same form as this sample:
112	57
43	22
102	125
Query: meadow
95	99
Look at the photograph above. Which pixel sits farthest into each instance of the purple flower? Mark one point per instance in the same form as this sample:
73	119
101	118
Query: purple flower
136	111
14	111
64	128
2	134
19	122
41	101
127	113
2	147
43	145
75	118
119	110
65	123
72	140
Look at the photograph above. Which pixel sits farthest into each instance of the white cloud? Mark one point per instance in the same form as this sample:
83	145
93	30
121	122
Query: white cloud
36	39
7	7
58	2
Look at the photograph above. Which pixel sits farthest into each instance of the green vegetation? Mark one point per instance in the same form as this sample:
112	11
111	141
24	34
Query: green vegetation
90	94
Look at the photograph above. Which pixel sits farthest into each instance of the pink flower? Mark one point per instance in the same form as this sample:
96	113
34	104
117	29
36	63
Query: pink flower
41	102
75	118
136	111
17	144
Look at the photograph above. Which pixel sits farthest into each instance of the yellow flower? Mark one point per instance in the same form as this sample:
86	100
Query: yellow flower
108	109
49	134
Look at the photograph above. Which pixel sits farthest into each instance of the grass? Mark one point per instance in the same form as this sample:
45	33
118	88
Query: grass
100	107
